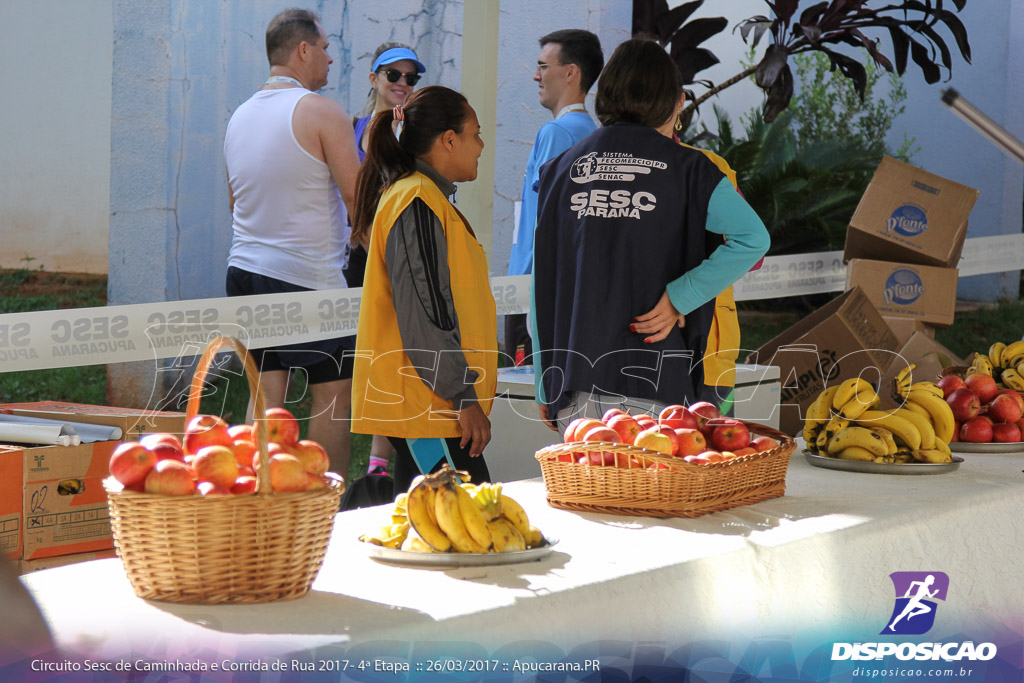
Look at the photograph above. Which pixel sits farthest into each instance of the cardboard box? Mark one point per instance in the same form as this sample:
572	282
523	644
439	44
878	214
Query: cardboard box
929	358
845	338
26	566
133	423
52	501
756	394
924	293
911	216
905	328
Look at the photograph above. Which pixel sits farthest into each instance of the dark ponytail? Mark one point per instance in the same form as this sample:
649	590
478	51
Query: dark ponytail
428	113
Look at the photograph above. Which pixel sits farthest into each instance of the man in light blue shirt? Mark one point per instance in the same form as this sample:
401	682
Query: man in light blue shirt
569	63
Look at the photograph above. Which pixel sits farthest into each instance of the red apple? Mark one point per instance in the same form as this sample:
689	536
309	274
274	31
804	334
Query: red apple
653	439
216	464
983	385
245	432
164	446
610	413
244	451
314	482
625	426
646	423
170	478
691	442
1005	433
1005	409
312	456
273	449
282	427
744	451
570	430
601	434
699	459
965	404
677	417
244	484
208	488
672	437
956	431
764	443
203	431
976	430
287	474
1015	395
704	411
130	463
712	456
950	383
583	427
730	435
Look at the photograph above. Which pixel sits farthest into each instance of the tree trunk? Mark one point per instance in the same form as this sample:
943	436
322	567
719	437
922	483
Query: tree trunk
692	106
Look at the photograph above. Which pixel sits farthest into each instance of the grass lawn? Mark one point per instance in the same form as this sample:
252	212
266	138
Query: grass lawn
32	290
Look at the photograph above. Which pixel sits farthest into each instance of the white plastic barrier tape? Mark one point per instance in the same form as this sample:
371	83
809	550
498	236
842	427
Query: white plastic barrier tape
171	329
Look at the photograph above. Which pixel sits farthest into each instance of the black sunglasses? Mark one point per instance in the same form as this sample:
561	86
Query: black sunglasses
393	76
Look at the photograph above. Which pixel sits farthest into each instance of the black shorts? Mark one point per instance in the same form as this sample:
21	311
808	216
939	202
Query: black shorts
327	360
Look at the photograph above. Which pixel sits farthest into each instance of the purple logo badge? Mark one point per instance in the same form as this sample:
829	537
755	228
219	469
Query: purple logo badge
916	593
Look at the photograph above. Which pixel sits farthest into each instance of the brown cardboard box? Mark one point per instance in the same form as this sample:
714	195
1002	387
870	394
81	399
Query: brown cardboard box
925	293
929	358
133	423
53	501
844	338
904	328
26	566
911	216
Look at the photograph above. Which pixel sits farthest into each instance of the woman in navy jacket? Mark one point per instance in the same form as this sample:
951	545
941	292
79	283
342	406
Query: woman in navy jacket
628	252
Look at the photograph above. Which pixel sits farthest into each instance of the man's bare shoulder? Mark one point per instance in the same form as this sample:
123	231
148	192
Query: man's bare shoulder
321	109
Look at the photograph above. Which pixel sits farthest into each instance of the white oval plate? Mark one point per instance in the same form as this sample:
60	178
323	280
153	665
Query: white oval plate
968	447
883	467
408	557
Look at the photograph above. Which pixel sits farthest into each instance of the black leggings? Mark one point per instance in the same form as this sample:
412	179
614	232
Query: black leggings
405	469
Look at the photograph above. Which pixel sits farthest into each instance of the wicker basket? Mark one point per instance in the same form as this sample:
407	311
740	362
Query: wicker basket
680	489
242	548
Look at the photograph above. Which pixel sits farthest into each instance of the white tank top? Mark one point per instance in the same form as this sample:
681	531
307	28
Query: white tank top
289	221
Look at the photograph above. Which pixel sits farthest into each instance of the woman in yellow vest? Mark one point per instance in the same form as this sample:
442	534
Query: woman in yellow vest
426	346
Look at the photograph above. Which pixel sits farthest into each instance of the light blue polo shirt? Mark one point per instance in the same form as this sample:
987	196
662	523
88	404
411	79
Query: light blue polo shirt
553	138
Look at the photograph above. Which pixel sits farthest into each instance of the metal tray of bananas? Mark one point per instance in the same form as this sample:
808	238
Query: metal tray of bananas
410	557
883	467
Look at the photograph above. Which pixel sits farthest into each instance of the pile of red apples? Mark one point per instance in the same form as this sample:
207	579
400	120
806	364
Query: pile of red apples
212	458
984	413
697	434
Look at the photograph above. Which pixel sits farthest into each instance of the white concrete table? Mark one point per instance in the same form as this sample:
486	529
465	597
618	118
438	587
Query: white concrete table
815	561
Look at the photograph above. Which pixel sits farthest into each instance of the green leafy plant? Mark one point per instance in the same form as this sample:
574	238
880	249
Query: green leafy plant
828	107
821	27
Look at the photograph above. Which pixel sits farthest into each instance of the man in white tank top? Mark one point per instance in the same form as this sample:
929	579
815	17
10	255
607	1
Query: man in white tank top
291	166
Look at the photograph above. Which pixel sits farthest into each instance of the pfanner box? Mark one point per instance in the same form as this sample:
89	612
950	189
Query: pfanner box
134	423
924	293
52	500
845	338
911	216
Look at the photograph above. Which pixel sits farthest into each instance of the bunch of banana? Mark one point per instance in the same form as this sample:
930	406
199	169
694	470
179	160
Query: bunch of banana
1005	362
835	407
845	422
395	534
446	516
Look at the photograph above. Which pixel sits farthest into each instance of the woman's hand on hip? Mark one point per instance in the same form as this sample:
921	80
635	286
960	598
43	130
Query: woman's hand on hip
658	321
476	429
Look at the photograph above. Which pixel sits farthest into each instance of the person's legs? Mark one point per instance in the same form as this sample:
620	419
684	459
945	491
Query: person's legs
380	452
329	422
275	387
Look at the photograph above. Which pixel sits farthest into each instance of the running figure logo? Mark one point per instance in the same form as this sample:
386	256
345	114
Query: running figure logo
916	592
